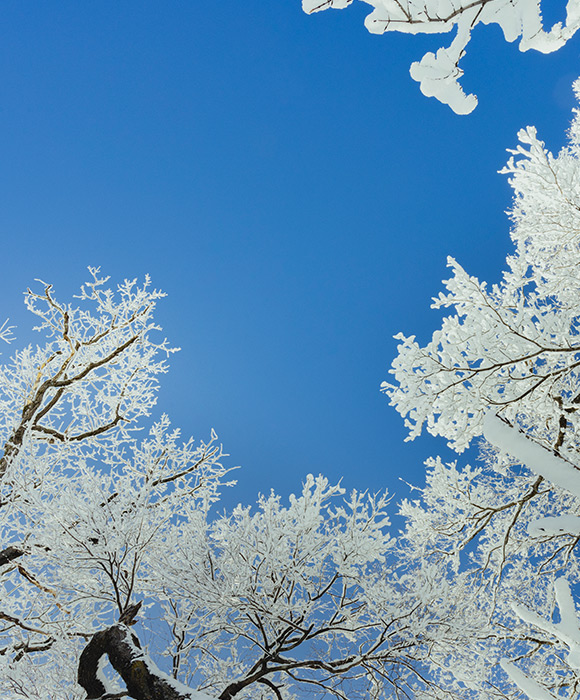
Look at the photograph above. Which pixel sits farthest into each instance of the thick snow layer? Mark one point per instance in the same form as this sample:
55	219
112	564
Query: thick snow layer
568	625
566	630
529	686
439	73
534	456
556	525
100	674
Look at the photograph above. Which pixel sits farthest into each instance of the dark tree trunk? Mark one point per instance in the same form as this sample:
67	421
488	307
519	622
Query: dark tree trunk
9	554
122	647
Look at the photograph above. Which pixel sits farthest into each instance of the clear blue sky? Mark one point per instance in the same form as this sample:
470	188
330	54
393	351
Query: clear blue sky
284	180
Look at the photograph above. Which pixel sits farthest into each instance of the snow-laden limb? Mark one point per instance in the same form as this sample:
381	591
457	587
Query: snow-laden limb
566	631
439	73
513	347
526	684
514	442
555	525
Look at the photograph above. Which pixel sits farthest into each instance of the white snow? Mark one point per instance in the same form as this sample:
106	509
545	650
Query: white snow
439	73
529	686
555	525
100	674
566	630
534	456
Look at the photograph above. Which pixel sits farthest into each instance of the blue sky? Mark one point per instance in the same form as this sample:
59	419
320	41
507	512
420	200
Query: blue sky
284	181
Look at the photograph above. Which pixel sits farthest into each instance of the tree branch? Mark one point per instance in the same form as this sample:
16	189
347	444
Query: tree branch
9	554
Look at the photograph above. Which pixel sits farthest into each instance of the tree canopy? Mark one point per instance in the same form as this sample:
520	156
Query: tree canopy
503	368
112	548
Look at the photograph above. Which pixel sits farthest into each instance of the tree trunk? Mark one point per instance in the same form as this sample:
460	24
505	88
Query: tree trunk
143	680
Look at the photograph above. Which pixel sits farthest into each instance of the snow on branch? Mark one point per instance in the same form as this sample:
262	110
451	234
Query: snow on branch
566	631
555	525
100	365
6	332
537	458
526	684
438	73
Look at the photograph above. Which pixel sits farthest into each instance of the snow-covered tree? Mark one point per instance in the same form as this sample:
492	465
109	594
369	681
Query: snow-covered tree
505	367
511	347
438	73
111	550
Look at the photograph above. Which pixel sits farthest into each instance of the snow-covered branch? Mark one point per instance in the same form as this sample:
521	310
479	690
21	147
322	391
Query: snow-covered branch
524	450
438	73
